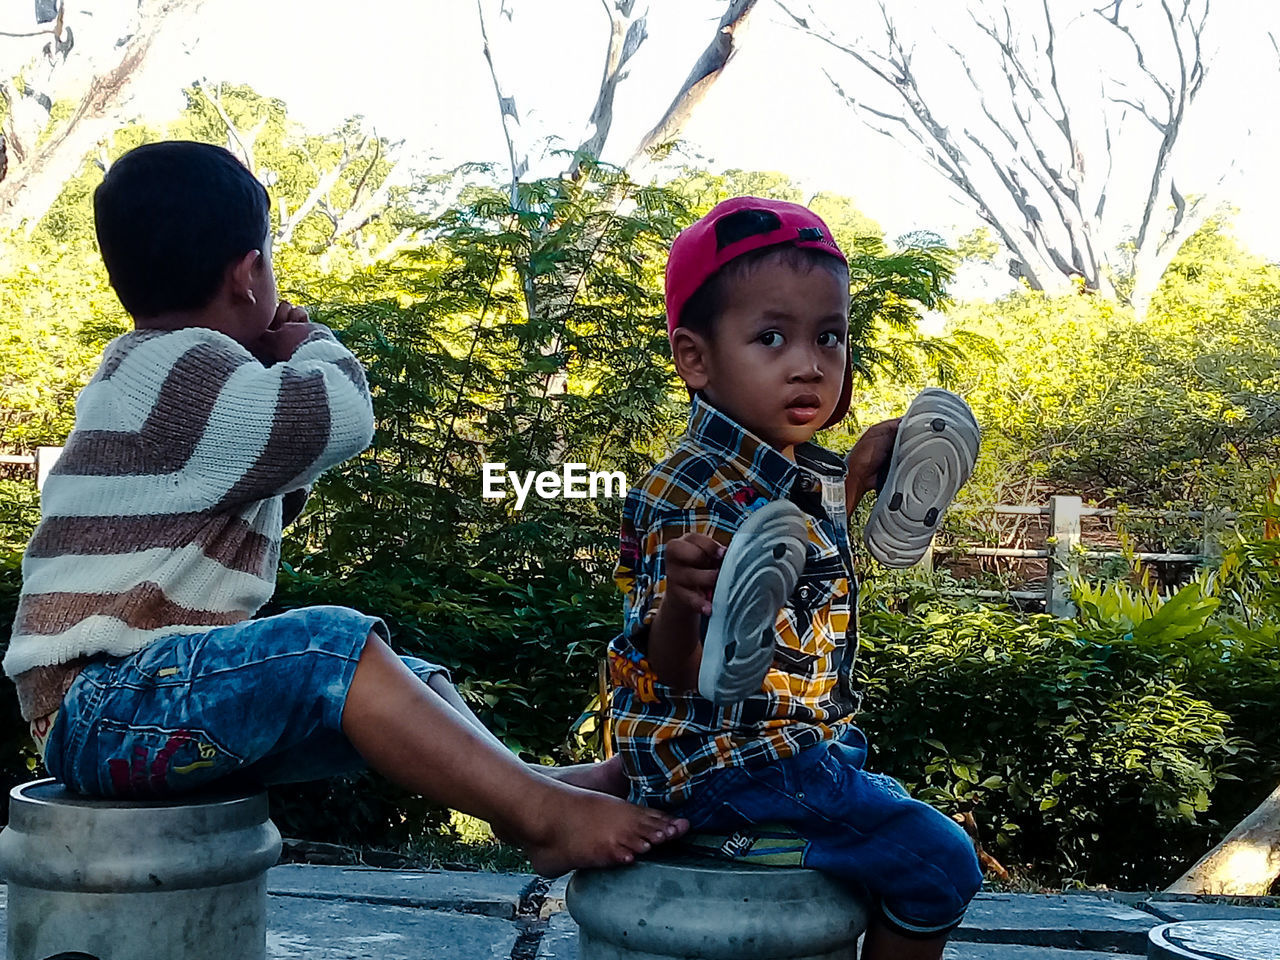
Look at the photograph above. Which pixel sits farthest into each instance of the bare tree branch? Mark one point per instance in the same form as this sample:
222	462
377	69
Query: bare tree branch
360	213
325	182
28	192
1060	181
1191	75
1023	166
704	74
927	148
29	33
894	71
1160	127
625	37
1102	194
405	239
1111	14
239	141
516	152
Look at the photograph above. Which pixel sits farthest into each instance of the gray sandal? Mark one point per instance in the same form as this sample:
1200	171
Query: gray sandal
933	456
760	568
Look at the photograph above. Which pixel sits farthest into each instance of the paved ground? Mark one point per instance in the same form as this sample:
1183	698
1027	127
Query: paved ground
364	913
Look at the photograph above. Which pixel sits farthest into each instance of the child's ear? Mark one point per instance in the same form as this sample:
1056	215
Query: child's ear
242	275
689	350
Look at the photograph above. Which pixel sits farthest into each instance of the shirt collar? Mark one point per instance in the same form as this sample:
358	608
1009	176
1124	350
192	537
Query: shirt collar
760	463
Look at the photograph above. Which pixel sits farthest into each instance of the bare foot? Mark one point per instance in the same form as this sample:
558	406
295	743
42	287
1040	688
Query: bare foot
572	827
606	777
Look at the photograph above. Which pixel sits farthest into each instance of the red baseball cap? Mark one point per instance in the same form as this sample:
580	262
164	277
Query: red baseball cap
736	227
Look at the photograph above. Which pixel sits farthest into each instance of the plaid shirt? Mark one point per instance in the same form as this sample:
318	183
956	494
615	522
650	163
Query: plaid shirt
718	474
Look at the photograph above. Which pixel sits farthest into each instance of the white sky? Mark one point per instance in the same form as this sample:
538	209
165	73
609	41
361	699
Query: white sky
416	70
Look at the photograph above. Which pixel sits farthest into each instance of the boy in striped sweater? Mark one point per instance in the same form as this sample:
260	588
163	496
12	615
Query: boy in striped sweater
133	651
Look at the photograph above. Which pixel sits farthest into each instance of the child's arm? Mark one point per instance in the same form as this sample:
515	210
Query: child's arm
274	429
675	633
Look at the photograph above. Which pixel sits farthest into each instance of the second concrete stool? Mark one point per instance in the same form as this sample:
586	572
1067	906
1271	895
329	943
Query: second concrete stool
698	907
134	880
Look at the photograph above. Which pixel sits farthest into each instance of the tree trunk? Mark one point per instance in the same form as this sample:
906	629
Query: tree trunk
625	37
27	193
1246	863
1152	260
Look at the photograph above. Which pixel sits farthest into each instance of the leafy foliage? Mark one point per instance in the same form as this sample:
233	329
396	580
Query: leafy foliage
1077	743
1181	408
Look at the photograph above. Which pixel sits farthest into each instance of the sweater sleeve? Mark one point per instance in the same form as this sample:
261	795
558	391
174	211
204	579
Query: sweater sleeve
192	418
275	429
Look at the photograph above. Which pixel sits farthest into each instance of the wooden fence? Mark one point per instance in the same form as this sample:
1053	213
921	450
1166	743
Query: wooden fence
1063	542
42	460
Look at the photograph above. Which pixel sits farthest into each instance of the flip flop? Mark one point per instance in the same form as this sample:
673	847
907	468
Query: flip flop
933	456
760	568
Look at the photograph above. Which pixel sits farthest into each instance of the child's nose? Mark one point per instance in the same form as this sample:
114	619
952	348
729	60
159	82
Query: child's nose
808	365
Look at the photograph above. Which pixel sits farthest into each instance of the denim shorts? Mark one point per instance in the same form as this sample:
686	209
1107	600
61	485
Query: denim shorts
260	701
916	865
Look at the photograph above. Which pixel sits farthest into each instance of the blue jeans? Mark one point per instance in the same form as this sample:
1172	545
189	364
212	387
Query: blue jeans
917	866
260	699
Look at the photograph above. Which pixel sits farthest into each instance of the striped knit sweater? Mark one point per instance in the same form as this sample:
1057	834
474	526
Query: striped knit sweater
163	514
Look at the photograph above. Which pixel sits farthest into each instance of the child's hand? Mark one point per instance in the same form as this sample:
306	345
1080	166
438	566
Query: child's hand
289	327
868	461
693	562
674	644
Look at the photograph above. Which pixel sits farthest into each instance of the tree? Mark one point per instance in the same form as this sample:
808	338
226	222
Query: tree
1180	410
71	94
706	71
335	195
1030	146
552	300
334	215
628	31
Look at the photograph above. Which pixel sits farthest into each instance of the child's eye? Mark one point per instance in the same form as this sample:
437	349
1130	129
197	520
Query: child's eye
770	338
830	338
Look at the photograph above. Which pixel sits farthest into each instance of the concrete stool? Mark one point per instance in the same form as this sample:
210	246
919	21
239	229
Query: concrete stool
1215	940
135	880
697	907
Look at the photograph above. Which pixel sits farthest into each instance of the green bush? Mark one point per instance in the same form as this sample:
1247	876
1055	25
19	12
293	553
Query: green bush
1179	407
1115	748
18	759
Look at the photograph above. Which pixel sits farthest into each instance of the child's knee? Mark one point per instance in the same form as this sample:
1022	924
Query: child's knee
957	855
438	682
374	641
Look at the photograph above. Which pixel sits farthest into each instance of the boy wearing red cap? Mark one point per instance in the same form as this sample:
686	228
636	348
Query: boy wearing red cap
757	314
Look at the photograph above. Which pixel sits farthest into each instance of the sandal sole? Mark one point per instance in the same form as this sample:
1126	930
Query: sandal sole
933	456
760	569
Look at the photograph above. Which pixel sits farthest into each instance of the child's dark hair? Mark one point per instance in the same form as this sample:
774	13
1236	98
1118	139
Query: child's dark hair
707	303
170	218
